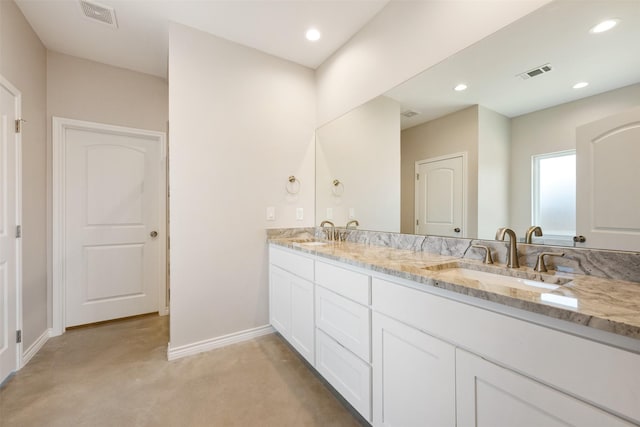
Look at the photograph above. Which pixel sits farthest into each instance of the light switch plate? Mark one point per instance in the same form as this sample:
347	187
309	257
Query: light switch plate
352	213
271	213
329	213
299	214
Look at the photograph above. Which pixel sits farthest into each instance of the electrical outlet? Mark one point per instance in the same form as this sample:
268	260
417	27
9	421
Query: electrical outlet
329	213
299	214
352	213
271	213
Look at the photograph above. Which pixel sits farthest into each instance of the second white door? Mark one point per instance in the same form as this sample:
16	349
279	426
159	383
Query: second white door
439	199
112	260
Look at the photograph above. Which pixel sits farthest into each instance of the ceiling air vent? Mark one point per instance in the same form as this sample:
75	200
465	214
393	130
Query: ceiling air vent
100	13
409	113
535	72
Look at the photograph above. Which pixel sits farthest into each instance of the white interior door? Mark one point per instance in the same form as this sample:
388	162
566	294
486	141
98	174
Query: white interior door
607	184
440	196
9	243
113	216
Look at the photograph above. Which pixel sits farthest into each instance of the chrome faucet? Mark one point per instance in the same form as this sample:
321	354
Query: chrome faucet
330	235
353	222
512	259
534	229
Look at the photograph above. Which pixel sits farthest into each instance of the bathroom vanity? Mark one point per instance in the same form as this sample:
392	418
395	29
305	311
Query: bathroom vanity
412	338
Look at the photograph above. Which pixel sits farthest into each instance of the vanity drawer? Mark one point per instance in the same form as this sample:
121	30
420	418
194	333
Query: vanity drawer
349	375
297	264
350	284
345	321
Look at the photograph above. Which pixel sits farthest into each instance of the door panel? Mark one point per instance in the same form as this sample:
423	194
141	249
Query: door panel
607	191
112	192
8	243
439	197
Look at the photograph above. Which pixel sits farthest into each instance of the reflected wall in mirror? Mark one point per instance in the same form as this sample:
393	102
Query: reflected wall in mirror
361	150
504	124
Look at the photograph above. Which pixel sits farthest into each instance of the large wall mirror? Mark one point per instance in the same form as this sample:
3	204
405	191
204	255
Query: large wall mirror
546	133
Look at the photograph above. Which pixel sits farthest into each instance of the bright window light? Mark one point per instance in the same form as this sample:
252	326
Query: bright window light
554	193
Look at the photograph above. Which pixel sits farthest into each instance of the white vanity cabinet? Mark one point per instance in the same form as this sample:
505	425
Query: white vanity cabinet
413	377
492	396
510	373
343	336
291	300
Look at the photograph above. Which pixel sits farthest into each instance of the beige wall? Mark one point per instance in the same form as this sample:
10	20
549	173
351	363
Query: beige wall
494	149
87	90
551	130
23	63
362	150
454	133
404	39
241	122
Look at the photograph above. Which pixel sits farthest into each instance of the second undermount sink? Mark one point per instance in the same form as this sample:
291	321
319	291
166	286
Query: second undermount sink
498	279
533	282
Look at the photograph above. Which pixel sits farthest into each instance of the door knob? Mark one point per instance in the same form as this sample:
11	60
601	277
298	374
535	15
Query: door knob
154	233
457	229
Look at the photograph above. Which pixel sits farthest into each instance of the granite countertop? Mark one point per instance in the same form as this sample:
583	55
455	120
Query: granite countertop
604	304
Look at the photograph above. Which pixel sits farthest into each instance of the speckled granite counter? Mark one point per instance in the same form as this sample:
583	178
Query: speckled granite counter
604	304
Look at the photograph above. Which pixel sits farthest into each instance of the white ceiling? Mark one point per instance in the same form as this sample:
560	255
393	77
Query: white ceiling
141	41
557	33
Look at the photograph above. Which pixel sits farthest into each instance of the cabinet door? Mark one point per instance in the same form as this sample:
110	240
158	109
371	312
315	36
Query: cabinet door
491	396
302	318
413	376
280	301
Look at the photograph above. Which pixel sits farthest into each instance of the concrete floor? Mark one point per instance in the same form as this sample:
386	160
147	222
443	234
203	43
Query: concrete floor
116	374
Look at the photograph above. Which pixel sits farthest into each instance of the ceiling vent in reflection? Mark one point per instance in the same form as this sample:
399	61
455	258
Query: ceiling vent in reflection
100	13
409	113
535	72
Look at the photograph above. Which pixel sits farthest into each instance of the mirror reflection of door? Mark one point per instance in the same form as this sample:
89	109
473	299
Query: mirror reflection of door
608	182
439	201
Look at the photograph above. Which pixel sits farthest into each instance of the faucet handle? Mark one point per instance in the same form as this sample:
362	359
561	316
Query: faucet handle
540	265
487	253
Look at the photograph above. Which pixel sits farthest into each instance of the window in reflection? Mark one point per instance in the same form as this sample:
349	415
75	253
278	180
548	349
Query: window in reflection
554	193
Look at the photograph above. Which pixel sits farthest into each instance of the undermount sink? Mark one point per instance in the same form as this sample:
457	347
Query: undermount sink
308	242
518	279
498	279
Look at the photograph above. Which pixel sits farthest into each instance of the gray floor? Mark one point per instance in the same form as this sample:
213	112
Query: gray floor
116	374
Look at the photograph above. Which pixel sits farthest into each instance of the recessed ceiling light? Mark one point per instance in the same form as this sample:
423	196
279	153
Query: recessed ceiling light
313	35
460	87
580	85
604	26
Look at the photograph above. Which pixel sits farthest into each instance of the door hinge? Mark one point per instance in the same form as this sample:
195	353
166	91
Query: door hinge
18	336
417	222
18	231
417	177
19	125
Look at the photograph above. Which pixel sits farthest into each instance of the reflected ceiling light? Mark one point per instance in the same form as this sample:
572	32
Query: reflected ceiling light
580	85
604	26
313	35
460	87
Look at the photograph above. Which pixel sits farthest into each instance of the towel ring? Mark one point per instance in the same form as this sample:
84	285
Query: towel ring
293	186
338	188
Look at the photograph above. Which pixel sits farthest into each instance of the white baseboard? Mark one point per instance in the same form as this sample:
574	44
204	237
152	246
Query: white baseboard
35	347
212	343
164	311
